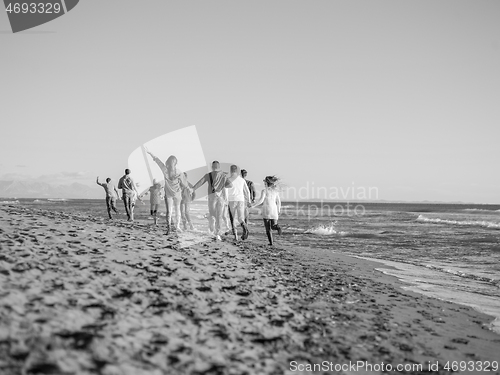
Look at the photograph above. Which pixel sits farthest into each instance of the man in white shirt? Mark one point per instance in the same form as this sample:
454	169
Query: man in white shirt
238	194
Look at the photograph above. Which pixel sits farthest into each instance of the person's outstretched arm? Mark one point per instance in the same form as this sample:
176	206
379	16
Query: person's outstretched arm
135	189
261	199
200	182
157	160
98	183
278	203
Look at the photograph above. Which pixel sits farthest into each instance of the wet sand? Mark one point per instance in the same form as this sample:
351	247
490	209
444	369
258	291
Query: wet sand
82	295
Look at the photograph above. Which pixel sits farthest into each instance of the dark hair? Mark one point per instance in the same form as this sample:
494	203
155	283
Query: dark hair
243	172
127	171
271	181
108	179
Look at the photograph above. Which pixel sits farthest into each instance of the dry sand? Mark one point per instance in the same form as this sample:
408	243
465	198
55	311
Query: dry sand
80	295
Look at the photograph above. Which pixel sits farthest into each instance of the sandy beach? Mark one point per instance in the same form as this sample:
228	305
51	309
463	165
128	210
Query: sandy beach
84	295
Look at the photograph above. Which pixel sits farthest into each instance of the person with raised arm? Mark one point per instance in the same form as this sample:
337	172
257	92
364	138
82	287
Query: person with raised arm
111	195
175	181
216	182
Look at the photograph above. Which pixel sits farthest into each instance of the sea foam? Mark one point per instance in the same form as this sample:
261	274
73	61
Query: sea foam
476	223
325	230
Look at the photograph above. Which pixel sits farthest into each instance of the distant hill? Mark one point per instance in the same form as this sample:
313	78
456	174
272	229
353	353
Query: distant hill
38	189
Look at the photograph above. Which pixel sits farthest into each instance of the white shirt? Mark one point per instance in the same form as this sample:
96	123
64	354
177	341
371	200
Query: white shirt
239	190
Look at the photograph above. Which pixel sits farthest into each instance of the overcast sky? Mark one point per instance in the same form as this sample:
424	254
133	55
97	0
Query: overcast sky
403	96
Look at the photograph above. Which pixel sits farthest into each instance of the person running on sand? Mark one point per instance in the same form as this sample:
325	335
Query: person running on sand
216	181
188	196
155	197
271	207
111	195
129	193
251	188
225	211
238	195
175	181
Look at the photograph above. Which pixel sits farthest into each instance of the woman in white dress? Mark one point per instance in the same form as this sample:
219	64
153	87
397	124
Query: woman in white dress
271	207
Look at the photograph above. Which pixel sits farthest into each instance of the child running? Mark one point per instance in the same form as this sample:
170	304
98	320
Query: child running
188	196
271	207
155	197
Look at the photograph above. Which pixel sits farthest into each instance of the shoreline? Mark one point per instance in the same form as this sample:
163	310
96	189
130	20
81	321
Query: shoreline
85	295
416	286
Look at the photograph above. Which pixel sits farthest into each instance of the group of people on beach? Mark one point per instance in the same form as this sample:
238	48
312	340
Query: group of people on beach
229	198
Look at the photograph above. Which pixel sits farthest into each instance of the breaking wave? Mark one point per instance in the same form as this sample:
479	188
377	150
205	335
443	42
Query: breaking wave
325	230
475	223
9	202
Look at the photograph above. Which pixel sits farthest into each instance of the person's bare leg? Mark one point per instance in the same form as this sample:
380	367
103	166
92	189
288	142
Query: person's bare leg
275	226
231	213
187	214
177	207
168	204
267	224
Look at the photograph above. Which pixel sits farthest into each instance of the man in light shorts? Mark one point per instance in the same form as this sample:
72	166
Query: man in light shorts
129	193
111	195
238	195
216	181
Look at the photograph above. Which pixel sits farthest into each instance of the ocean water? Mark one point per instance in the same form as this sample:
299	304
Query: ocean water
448	251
